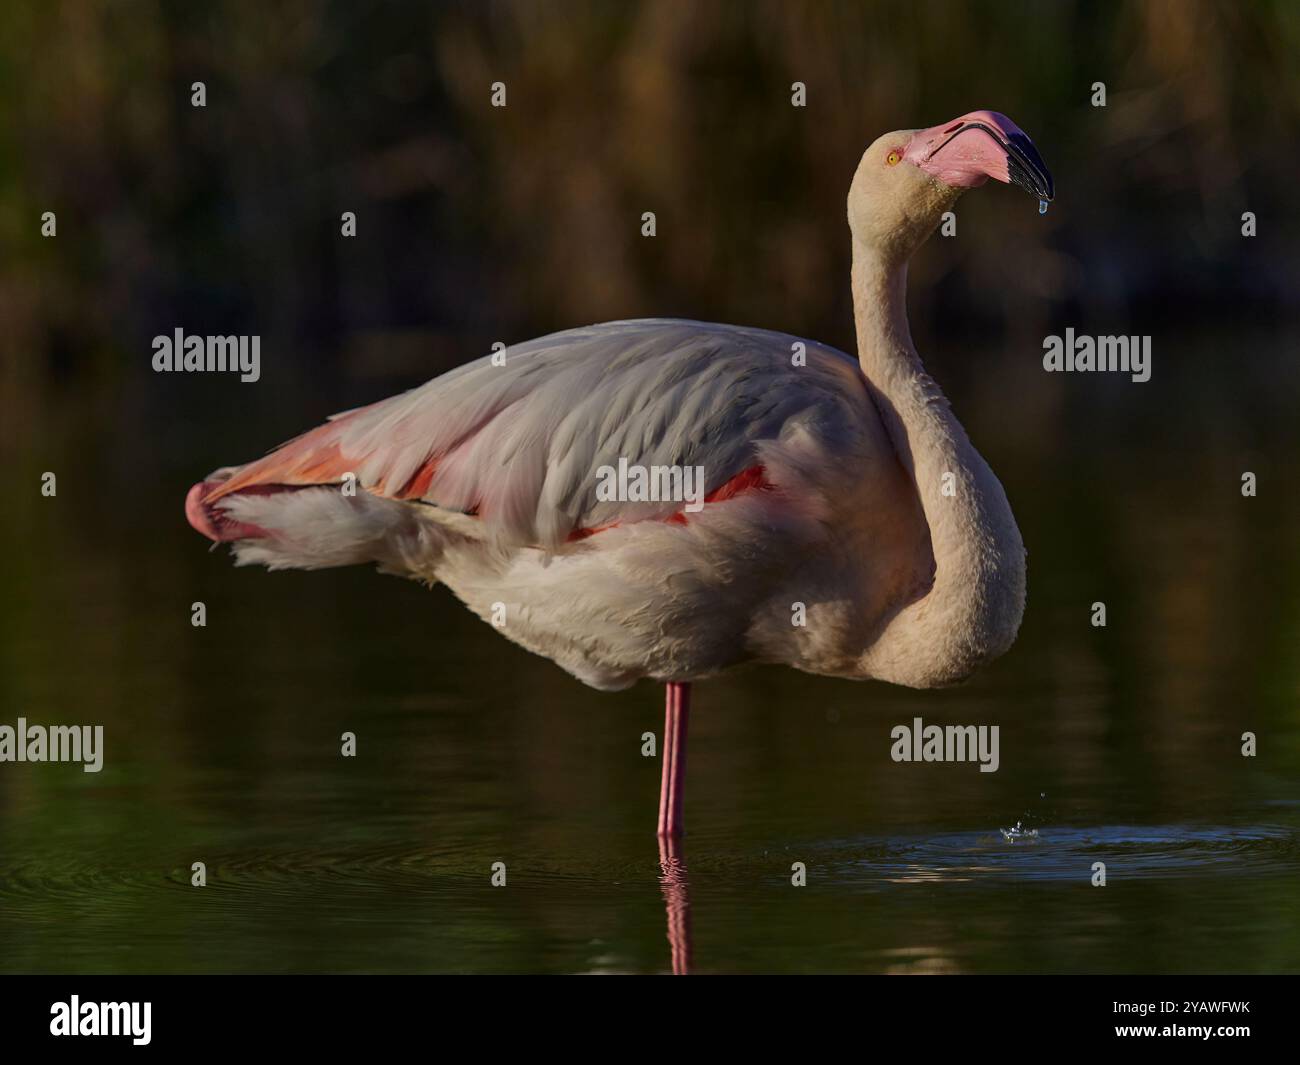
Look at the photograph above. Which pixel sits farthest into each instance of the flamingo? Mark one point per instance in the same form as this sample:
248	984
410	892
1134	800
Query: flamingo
844	526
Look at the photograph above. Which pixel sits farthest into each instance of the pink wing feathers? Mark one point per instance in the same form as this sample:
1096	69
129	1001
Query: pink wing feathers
517	445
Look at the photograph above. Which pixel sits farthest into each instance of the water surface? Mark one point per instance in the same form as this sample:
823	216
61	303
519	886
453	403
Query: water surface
1119	745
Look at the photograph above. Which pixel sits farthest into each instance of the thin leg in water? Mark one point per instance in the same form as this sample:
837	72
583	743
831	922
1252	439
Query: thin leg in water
676	714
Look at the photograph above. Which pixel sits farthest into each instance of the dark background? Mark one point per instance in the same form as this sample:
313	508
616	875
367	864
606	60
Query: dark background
478	225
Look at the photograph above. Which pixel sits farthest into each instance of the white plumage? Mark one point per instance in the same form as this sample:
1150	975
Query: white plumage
851	529
519	444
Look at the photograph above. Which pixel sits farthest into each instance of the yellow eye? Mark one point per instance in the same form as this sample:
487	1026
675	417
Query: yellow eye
893	158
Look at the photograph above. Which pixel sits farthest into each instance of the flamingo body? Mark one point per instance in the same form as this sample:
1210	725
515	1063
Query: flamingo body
846	525
484	480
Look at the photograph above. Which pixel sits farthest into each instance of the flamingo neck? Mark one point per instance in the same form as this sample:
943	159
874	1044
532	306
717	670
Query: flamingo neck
972	607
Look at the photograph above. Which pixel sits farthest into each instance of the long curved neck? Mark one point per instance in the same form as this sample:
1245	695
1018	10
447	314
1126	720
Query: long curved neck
974	604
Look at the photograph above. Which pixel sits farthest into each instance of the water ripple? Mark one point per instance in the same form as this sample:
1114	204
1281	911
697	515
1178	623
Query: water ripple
1065	853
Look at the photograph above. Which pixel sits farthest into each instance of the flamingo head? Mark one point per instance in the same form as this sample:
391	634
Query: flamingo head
908	178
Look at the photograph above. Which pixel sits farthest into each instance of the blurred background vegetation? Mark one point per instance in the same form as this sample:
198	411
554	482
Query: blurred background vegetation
478	224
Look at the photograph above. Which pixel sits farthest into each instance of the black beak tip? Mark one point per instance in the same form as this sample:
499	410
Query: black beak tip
1027	168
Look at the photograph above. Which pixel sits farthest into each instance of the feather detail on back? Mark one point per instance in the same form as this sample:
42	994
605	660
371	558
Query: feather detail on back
517	446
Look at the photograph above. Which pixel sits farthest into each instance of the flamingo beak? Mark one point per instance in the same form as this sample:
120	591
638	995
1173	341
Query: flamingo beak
969	150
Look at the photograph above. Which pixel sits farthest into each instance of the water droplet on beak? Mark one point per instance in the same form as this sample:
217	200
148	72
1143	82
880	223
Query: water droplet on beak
1042	207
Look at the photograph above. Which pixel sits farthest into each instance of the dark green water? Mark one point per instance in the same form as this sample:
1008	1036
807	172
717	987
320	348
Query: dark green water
1119	744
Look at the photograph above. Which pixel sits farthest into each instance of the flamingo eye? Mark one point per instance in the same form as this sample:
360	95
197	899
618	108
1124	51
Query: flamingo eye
893	158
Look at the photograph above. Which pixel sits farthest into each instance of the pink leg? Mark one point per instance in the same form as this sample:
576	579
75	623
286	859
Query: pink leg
676	713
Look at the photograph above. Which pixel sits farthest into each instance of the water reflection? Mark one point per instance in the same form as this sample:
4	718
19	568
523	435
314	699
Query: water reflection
676	887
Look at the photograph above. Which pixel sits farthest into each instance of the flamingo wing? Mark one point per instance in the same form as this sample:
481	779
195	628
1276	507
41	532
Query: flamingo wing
516	442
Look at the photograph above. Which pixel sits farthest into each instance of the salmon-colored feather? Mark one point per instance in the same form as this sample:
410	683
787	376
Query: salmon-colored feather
313	458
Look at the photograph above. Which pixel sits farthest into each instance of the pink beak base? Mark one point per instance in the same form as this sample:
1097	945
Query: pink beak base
964	154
